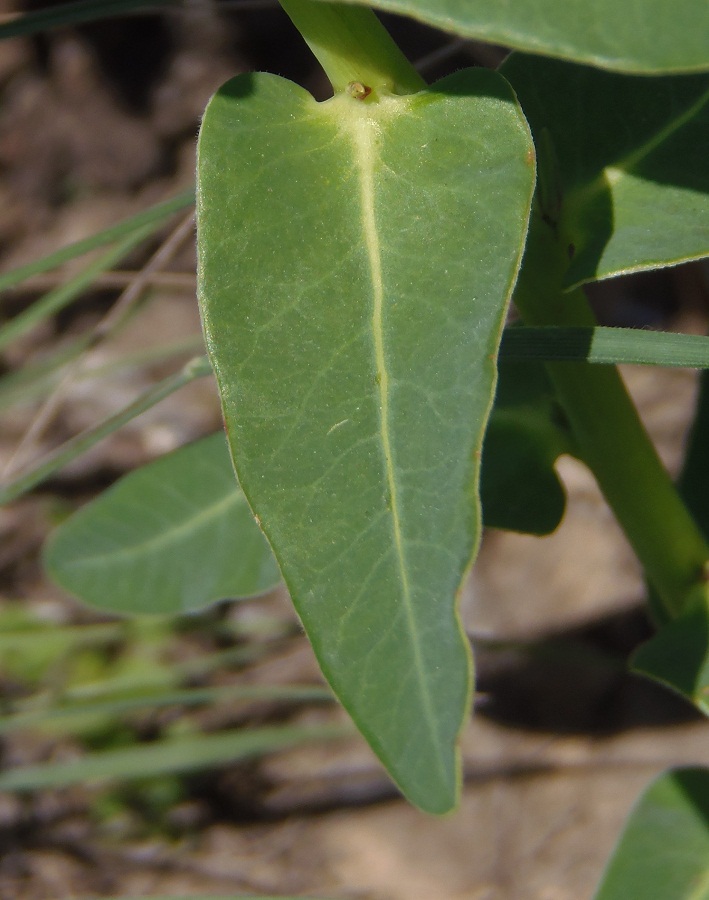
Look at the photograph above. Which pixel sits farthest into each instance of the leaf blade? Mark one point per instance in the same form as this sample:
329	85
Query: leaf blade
643	37
627	184
170	537
664	848
342	409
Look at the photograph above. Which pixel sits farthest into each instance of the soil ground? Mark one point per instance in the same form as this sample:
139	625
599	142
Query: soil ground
98	122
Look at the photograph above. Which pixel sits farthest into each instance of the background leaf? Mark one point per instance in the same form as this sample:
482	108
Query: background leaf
172	536
694	478
664	850
519	487
626	183
354	344
678	655
627	35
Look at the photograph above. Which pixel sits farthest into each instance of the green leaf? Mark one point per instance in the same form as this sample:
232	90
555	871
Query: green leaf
622	163
694	479
172	536
527	431
356	259
519	488
664	850
678	655
627	35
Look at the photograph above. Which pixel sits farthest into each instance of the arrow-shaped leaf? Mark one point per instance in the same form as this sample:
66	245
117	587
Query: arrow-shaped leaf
356	258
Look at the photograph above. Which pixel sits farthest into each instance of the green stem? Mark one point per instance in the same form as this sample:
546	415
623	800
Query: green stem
611	438
353	47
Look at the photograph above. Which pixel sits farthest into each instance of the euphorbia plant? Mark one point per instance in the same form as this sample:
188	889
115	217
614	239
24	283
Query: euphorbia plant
369	244
357	258
356	261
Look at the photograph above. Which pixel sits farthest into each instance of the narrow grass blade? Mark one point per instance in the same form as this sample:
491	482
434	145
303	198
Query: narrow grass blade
156	215
606	346
73	14
58	713
197	368
66	293
35	379
168	756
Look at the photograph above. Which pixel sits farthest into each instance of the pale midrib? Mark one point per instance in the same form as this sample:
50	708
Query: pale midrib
363	134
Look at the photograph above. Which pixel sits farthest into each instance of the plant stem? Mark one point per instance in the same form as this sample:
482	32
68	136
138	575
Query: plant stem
353	46
611	438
